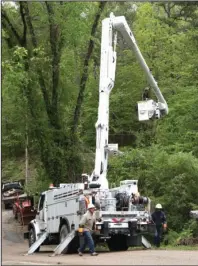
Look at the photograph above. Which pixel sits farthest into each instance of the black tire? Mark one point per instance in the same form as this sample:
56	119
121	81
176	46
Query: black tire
117	243
19	218
6	205
32	239
74	245
15	215
63	233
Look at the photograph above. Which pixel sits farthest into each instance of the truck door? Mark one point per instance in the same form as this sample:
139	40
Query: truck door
41	216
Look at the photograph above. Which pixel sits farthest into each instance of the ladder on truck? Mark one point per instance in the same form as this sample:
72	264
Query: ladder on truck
37	243
59	249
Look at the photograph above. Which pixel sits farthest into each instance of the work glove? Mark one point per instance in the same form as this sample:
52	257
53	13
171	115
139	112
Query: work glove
165	229
165	226
80	230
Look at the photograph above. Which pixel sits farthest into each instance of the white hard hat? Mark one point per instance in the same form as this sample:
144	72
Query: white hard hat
51	186
91	206
158	206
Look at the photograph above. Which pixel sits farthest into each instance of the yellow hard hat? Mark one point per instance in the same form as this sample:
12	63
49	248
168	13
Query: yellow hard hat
158	206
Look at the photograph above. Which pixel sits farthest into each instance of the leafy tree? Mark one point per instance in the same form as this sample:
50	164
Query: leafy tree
42	66
50	80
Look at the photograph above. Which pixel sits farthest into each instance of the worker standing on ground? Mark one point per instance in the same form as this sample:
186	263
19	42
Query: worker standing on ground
85	230
159	219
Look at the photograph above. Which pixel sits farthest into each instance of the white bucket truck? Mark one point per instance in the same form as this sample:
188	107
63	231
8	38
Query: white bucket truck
125	215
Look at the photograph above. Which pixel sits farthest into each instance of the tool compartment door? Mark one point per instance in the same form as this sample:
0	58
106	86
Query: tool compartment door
63	208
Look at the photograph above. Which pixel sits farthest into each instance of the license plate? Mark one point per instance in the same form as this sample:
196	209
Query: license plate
118	225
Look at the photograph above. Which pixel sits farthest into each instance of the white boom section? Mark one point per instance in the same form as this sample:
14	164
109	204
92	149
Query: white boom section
107	77
110	26
120	24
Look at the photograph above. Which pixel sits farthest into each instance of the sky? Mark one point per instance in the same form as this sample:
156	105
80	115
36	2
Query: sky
12	3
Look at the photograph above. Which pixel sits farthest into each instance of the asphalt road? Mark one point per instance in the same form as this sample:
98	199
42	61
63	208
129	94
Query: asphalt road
14	248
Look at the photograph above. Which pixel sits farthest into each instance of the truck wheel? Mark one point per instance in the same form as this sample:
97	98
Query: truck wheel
123	243
19	218
63	233
32	239
74	245
117	243
15	214
6	205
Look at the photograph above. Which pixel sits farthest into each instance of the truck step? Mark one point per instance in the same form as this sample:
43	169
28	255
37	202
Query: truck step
145	243
37	243
59	249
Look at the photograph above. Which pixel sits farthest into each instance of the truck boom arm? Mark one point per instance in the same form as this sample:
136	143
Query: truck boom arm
120	24
110	27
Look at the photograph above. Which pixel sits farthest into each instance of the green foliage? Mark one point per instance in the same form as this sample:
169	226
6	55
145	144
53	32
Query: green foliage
39	183
185	237
172	238
42	70
172	133
14	103
12	170
171	179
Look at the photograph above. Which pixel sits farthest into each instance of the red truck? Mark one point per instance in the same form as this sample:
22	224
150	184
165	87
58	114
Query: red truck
23	210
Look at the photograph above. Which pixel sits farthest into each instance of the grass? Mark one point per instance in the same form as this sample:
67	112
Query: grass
104	247
179	247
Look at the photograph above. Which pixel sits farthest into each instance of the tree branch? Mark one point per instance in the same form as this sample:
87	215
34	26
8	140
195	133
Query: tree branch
41	79
85	69
30	26
14	31
24	38
8	39
56	42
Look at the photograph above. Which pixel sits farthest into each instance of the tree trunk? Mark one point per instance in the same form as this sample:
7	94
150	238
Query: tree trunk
85	70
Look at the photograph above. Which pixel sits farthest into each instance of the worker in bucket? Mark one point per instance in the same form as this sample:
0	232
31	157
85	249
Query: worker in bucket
87	223
159	218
